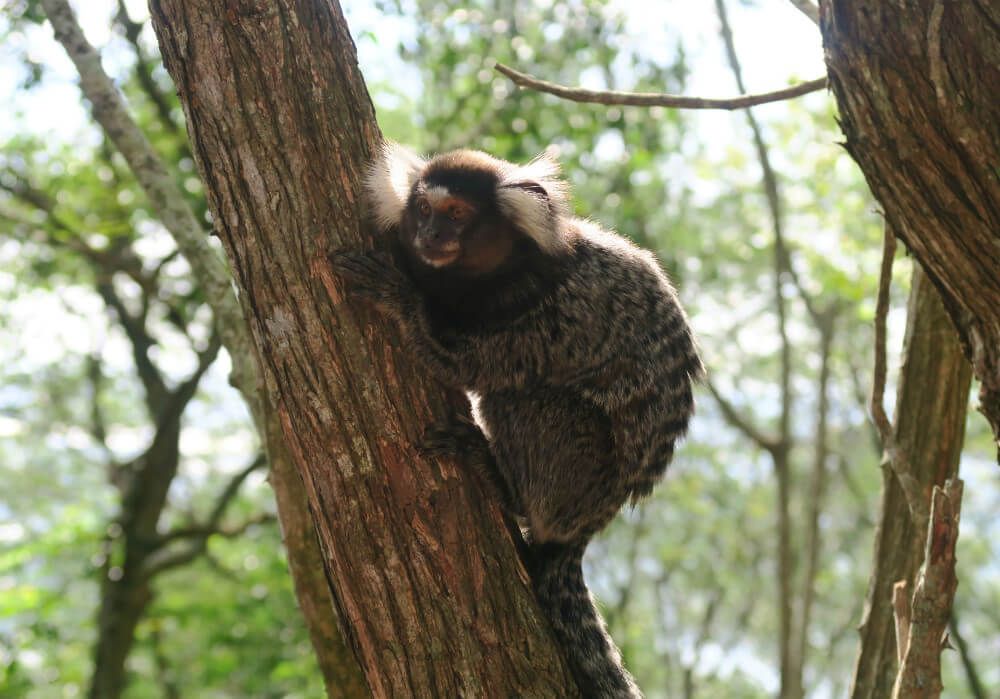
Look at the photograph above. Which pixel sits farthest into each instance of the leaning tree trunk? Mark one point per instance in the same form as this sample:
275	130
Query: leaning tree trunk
427	581
918	87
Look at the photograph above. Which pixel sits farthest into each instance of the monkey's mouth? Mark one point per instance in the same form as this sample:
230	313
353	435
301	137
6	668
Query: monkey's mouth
439	256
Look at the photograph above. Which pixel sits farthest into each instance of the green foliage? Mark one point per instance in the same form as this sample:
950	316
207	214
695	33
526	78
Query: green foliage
72	410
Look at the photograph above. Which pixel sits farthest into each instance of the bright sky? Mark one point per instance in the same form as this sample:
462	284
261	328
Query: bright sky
55	108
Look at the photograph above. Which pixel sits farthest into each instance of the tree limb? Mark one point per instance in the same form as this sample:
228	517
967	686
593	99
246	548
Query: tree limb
733	416
898	460
809	8
166	198
225	497
141	341
655	99
971	673
160	562
143	71
790	664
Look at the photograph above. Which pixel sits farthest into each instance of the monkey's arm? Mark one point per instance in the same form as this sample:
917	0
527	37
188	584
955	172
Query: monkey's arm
373	275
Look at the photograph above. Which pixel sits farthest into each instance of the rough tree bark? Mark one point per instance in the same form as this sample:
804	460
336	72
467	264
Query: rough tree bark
426	579
931	405
918	88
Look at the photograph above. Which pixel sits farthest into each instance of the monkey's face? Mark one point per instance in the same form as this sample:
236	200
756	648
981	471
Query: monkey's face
438	221
443	229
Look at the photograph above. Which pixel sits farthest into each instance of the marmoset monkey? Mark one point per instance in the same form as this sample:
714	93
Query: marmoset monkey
569	341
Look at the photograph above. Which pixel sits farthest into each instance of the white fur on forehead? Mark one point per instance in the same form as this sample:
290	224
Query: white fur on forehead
389	181
540	217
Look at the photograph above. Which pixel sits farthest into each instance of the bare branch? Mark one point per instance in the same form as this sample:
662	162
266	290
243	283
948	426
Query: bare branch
656	99
790	662
898	460
876	399
971	673
159	563
140	339
211	525
817	491
808	8
143	70
737	420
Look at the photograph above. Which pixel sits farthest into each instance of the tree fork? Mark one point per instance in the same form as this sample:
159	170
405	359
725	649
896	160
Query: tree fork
426	578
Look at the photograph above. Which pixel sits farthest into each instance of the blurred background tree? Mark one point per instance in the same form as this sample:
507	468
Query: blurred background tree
745	573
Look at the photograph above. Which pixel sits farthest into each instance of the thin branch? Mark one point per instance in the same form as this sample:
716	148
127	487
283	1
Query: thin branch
876	399
770	177
159	563
141	341
790	664
737	420
808	8
211	524
898	460
971	673
817	493
143	71
656	99
166	198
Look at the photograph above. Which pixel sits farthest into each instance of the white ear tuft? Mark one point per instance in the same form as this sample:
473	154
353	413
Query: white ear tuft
534	197
389	181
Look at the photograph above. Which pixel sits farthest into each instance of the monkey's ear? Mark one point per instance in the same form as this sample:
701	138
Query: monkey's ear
533	196
389	181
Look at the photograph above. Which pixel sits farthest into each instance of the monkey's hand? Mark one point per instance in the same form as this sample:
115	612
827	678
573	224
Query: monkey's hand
462	438
373	276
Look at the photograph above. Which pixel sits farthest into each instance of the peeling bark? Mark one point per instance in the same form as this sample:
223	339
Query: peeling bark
425	577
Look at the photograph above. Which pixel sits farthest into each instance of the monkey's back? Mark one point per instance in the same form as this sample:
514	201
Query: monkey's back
614	362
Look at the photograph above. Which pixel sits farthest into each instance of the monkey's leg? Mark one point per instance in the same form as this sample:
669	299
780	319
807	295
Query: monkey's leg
556	450
462	438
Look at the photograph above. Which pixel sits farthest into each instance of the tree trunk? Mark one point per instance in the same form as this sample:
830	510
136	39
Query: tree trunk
425	577
918	87
341	673
931	407
123	602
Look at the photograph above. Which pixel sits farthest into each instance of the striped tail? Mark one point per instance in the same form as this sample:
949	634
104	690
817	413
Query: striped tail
579	628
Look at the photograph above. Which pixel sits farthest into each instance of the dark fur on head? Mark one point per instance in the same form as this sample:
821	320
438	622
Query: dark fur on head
569	341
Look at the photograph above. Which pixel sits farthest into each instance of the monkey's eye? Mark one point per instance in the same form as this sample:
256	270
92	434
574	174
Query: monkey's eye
458	213
424	208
